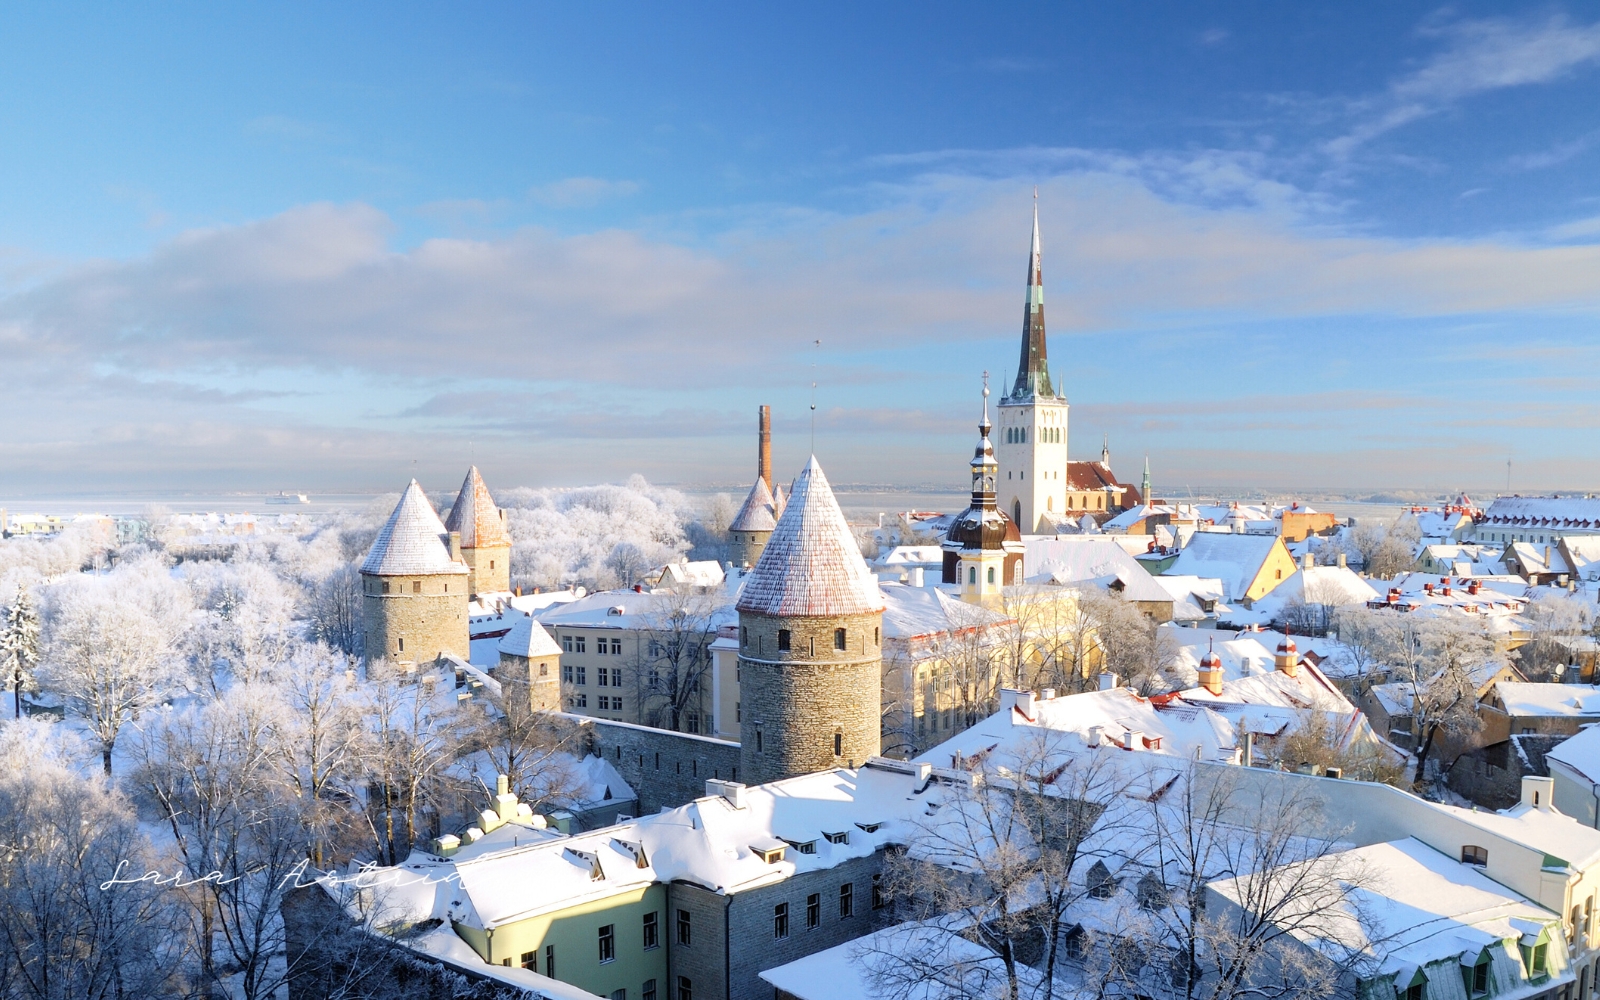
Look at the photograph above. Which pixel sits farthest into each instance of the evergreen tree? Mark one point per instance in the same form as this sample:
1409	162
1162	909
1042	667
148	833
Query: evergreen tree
19	645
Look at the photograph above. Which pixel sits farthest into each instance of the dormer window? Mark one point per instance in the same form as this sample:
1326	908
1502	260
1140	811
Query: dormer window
868	827
803	846
842	837
770	853
1471	854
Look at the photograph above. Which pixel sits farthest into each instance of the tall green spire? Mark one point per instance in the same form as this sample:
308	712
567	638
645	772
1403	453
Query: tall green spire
1033	371
1144	487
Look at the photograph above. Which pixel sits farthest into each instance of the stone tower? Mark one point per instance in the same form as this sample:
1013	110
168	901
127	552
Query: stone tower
1032	449
414	587
485	542
752	526
810	644
983	548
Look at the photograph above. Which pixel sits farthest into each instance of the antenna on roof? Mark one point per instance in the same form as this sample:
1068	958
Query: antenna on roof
818	345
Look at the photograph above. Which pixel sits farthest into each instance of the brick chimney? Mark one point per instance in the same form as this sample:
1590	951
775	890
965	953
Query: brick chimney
764	448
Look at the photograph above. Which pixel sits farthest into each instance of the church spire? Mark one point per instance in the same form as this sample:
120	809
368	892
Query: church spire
1033	371
1144	487
985	470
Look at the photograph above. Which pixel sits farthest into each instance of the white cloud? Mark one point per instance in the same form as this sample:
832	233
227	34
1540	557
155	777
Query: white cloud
1479	56
581	192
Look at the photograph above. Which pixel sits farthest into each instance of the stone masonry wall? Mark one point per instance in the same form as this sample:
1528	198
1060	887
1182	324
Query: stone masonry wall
704	961
795	702
750	922
430	623
542	677
665	769
487	579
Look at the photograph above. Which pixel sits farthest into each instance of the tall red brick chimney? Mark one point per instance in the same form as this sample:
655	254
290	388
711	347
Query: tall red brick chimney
764	451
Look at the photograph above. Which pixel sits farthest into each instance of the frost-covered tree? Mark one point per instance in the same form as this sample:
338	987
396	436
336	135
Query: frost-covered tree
19	646
417	734
66	930
108	659
334	610
246	622
564	537
320	743
672	670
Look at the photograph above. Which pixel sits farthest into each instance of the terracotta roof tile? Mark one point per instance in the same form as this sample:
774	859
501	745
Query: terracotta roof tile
811	565
476	516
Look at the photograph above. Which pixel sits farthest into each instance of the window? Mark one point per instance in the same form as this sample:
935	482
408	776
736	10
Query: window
738	712
619	994
780	921
566	643
582	643
530	961
416	586
649	991
874	636
580	700
692	723
583	675
1533	959
877	892
1480	977
608	943
684	930
602	677
550	960
616	704
1474	855
838	638
838	838
1101	884
605	703
616	647
838	744
685	988
847	900
744	636
401	644
1152	893
783	640
386	586
616	676
991	574
651	939
1414	992
566	672
813	910
972	574
544	670
758	741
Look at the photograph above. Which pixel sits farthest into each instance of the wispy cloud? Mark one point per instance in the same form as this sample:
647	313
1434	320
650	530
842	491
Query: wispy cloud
581	192
1555	155
1478	56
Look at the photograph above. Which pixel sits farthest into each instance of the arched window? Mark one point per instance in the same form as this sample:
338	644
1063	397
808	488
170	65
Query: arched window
972	574
991	574
1049	503
1016	512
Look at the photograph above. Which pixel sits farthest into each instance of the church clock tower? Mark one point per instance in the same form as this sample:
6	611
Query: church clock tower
1032	439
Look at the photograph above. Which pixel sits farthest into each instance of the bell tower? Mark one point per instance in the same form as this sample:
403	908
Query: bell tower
1032	451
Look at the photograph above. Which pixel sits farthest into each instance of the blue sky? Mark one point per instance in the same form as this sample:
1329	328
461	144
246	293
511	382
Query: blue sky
1286	246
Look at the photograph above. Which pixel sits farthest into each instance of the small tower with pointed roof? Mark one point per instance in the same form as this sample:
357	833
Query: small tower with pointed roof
983	548
1144	484
414	587
810	644
485	539
1032	451
752	526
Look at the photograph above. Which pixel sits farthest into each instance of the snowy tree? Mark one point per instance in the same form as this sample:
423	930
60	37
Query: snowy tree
246	619
19	646
1554	618
537	751
109	660
417	735
67	930
671	672
334	610
320	743
565	537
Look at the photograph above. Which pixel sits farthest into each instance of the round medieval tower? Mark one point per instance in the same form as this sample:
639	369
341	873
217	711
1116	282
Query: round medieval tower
414	587
485	542
810	644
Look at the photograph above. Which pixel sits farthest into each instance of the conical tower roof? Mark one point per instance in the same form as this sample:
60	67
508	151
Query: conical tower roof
760	510
811	565
1033	370
413	542
476	516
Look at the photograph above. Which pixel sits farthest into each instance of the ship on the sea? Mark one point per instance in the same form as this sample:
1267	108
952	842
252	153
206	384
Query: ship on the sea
289	498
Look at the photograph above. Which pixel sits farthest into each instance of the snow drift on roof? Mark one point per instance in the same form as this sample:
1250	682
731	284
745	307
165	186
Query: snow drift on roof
413	542
811	565
476	516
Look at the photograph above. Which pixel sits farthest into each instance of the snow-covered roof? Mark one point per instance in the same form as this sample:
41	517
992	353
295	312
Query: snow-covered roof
1088	559
1232	558
413	542
924	612
1563	700
846	971
701	573
760	511
528	638
912	555
1551	512
481	523
630	609
1581	753
811	565
1411	906
1544	830
1331	585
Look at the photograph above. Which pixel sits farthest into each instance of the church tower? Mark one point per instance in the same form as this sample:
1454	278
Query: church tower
810	644
485	542
983	549
414	587
1032	450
